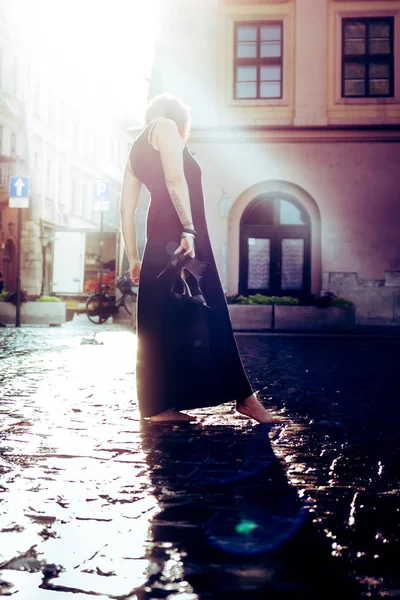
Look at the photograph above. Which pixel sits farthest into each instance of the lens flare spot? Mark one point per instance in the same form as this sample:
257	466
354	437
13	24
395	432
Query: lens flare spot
246	527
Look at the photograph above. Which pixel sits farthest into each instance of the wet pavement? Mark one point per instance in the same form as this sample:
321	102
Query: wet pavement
96	503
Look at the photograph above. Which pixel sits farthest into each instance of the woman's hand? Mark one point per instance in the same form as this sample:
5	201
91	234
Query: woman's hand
187	246
134	271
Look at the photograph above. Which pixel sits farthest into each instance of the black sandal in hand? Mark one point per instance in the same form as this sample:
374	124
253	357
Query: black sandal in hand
175	271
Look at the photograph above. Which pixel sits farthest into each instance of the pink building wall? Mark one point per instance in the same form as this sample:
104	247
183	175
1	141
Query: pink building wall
339	156
355	187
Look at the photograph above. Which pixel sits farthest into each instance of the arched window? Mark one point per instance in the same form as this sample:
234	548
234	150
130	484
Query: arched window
9	266
275	252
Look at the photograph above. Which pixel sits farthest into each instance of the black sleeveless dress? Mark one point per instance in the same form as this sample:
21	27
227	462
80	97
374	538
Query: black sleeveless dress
187	355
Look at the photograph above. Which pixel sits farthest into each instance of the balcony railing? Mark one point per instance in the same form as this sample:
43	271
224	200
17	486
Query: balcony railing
9	168
6	171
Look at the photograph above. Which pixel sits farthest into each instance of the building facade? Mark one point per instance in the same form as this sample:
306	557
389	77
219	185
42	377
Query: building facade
296	114
47	134
12	147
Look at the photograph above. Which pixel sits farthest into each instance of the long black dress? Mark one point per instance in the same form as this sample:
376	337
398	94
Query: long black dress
187	356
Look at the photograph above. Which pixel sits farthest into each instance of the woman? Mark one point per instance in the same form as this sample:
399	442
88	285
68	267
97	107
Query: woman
187	354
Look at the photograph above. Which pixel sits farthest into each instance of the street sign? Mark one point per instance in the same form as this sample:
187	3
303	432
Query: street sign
101	192
19	192
101	205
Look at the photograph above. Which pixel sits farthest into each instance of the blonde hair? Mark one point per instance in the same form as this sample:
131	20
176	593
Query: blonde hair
171	107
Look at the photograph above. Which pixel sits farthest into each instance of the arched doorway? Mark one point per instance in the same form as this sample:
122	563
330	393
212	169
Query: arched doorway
275	247
10	266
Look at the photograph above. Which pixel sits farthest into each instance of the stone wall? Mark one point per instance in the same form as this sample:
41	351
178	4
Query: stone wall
354	188
377	301
32	257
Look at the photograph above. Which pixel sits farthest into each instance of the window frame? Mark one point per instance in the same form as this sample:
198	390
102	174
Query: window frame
348	110
257	61
367	58
13	144
276	232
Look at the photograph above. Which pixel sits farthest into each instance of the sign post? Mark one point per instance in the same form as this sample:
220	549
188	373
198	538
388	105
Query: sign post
19	198
101	203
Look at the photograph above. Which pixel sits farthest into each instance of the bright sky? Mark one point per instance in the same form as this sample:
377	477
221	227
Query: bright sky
97	52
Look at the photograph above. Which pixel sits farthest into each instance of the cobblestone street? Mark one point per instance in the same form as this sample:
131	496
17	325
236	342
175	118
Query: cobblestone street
96	503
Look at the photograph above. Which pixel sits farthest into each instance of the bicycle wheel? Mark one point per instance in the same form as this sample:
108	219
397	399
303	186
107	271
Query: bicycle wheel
125	304
98	309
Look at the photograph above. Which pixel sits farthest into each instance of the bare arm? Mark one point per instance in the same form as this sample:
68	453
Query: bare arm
170	145
130	194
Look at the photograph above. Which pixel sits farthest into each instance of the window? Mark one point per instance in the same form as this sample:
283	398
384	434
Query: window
75	135
38	102
367	58
275	247
60	188
74	198
94	151
50	107
13	145
116	152
258	63
85	144
87	202
13	76
50	179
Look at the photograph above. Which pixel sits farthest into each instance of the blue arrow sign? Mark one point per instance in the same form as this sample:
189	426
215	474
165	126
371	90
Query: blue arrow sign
101	190
19	187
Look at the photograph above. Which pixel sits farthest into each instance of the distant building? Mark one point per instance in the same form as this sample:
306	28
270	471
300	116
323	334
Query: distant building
47	136
296	113
12	147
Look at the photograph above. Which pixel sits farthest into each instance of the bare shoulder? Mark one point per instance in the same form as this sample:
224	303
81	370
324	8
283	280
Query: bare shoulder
166	134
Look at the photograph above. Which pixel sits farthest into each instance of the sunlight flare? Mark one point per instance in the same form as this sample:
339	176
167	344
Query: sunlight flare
97	54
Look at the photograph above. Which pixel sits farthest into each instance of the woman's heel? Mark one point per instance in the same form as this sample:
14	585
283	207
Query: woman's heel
194	294
179	288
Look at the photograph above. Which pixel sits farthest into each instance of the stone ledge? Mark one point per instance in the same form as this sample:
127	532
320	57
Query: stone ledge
250	318
313	318
34	313
290	318
392	278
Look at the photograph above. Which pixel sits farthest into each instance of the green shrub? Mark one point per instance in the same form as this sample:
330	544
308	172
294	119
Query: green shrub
341	303
285	300
259	299
243	300
235	299
48	299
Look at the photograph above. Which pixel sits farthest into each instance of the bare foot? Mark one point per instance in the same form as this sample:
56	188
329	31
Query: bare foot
252	407
172	415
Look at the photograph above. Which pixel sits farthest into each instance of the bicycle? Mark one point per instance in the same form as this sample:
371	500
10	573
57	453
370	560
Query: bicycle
100	306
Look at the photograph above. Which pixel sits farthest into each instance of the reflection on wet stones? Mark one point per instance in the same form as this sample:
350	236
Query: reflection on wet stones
208	512
236	522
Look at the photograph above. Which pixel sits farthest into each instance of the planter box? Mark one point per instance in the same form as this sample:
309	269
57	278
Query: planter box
290	318
34	313
250	318
311	318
